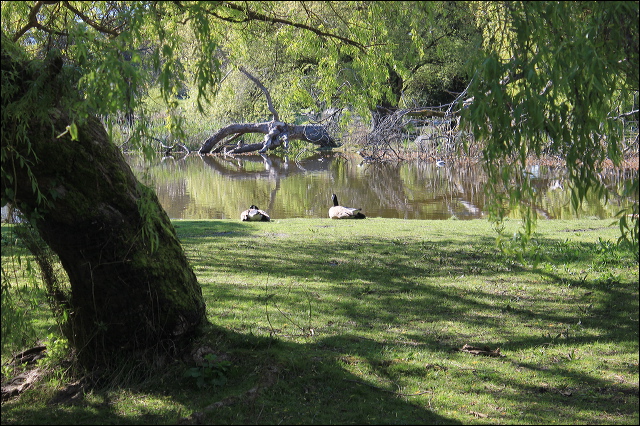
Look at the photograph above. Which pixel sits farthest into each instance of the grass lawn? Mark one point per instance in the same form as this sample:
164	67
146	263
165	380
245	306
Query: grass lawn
318	321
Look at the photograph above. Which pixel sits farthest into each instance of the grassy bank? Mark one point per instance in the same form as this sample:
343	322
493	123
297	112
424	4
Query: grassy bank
334	322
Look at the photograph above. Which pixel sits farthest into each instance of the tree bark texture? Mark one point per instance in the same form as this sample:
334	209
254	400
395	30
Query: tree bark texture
131	285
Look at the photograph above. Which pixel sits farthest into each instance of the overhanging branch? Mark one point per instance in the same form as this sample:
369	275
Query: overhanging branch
251	15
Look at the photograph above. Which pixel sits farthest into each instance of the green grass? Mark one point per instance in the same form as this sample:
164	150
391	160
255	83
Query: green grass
325	322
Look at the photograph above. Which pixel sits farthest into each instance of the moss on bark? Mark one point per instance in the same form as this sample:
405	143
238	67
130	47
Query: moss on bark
131	285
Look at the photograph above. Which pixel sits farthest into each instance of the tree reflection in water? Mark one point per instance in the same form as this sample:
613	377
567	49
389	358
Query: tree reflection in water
219	187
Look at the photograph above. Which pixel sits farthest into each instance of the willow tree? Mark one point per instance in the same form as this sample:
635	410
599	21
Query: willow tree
427	48
64	64
409	46
131	287
557	78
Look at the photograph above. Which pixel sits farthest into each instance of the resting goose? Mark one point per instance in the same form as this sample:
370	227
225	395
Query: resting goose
254	214
340	212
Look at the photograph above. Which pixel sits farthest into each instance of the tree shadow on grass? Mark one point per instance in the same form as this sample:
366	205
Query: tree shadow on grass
269	382
371	286
370	282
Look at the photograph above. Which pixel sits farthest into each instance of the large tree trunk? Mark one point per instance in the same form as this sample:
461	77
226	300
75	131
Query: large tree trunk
131	285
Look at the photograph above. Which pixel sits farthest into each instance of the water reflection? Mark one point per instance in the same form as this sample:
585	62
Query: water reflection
215	187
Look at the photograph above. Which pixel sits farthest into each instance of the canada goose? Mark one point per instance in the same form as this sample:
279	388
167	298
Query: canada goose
254	214
340	212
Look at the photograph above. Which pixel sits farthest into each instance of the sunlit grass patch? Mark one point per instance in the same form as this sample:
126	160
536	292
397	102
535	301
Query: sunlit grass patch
363	322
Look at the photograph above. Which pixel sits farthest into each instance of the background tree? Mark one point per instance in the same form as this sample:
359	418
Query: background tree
556	79
428	49
415	52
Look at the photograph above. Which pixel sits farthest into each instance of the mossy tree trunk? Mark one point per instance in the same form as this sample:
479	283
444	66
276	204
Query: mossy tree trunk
131	286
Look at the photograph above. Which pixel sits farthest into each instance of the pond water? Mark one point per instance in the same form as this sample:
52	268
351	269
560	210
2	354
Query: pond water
216	187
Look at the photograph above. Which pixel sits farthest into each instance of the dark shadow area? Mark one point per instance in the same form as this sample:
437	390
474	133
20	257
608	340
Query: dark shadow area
211	229
307	383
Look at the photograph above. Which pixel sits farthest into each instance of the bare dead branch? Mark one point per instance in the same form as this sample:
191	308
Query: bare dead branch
317	135
264	90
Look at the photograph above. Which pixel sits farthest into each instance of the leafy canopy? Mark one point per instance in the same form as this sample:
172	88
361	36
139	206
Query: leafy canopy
555	80
554	76
330	54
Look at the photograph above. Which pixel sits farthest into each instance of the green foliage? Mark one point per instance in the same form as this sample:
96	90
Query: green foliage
122	51
555	78
212	372
17	328
19	115
21	293
628	223
58	349
303	70
30	273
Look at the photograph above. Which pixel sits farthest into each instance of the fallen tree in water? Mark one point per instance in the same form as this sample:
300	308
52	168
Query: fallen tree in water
276	132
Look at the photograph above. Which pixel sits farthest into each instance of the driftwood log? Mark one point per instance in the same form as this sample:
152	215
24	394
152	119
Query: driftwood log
276	132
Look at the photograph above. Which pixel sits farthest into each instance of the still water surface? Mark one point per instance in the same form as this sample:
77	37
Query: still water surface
212	187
